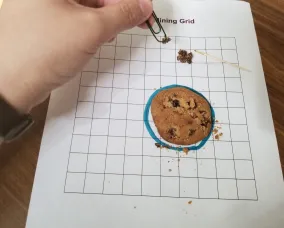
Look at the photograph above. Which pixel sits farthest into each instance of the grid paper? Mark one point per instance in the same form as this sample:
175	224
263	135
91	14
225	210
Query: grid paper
111	151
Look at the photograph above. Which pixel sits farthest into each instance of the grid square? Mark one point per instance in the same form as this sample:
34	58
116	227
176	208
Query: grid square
153	55
225	169
183	43
137	67
105	80
222	115
113	184
231	72
206	168
213	43
223	150
228	43
96	163
132	185
230	56
133	165
233	84
151	165
117	127
247	189
114	164
118	111
239	132
218	99
87	94
84	109
152	82
88	79
120	80
187	167
151	42
75	182
207	151
98	144
138	54
107	52
136	96
116	145
244	169
186	81
121	66
200	84
94	183
123	40
153	68
138	41
92	65
241	150
208	188
165	81
198	58
183	69
147	94
215	70
101	110
100	126
122	53
135	112
215	53
134	128
197	43
80	143
136	81
103	94
133	146
235	100
199	70
106	65
168	55
119	95
170	186
217	84
189	187
168	69
169	166
77	162
82	126
151	185
149	148
227	189
237	115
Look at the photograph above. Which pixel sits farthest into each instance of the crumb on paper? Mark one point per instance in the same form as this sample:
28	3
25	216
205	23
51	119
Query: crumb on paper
217	137
170	170
184	56
215	131
189	202
166	40
185	150
158	145
134	207
217	121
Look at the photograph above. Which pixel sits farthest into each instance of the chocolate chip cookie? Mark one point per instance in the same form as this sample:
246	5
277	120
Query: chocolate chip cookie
181	116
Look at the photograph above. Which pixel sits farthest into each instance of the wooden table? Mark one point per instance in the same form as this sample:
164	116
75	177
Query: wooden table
18	160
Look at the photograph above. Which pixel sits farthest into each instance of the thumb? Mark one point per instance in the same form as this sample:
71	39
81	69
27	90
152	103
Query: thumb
124	15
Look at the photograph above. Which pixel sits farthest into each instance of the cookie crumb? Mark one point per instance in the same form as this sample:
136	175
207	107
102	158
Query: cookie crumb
217	121
170	170
134	207
189	202
166	40
215	131
184	56
185	150
158	145
217	137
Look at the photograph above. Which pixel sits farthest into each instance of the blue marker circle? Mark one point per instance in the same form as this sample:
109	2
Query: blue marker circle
152	134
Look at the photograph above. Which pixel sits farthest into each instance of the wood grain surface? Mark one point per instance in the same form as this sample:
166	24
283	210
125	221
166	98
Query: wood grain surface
18	160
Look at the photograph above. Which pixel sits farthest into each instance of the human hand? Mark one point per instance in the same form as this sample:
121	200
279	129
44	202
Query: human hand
45	43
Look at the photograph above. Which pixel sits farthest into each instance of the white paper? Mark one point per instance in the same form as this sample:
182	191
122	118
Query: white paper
98	166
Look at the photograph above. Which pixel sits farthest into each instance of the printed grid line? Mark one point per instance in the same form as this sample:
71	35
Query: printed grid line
179	176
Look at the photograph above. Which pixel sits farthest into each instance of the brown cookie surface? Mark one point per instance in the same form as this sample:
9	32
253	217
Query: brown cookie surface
181	116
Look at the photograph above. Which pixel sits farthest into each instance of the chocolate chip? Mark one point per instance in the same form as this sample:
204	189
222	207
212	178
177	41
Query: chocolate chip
175	103
172	132
191	132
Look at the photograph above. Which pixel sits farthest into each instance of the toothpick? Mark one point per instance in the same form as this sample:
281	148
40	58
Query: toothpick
221	60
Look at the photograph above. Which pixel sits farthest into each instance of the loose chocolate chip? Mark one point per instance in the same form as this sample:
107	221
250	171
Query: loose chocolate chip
175	103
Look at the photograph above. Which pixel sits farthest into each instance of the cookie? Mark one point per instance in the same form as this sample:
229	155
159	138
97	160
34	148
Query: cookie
181	116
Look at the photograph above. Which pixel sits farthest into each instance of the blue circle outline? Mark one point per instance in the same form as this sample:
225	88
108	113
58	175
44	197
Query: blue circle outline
152	134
